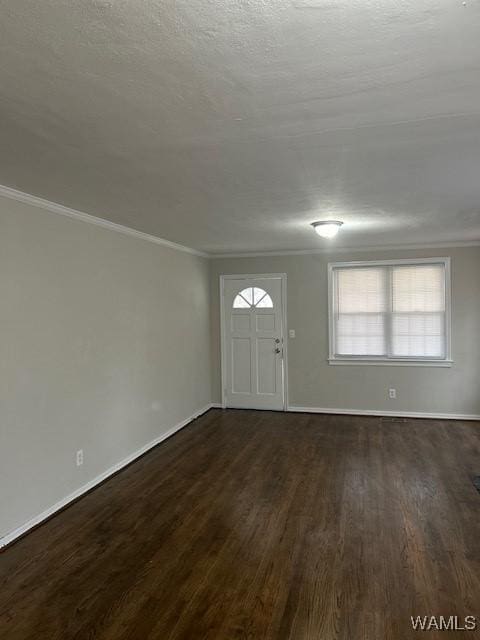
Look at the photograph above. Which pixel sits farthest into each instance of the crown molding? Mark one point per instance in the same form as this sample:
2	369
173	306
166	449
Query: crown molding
335	250
54	207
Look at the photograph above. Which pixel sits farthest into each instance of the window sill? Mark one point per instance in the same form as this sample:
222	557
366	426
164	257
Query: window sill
390	363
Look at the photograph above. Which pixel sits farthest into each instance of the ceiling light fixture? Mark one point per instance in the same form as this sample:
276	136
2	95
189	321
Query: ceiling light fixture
327	228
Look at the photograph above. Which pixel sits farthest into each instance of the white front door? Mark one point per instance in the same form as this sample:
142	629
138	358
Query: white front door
252	346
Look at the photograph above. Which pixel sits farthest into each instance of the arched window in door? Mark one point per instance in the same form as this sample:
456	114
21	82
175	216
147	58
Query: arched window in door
253	298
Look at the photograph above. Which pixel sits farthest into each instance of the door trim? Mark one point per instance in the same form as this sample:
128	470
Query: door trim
247	276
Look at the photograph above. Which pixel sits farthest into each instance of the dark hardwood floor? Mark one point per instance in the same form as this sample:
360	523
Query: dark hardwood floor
257	525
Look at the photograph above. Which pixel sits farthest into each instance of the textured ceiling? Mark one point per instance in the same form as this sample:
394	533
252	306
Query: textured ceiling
231	125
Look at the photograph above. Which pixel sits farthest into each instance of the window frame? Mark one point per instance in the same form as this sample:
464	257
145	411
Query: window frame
385	360
253	305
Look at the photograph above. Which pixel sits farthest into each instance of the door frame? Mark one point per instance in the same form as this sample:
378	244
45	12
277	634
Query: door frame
247	276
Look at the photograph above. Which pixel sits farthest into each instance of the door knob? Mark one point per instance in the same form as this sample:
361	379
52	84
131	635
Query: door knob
277	350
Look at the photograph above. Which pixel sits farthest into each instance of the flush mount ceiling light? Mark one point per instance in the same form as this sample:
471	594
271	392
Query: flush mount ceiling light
327	228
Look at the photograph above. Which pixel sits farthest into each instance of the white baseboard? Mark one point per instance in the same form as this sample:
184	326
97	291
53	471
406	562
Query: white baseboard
387	414
33	522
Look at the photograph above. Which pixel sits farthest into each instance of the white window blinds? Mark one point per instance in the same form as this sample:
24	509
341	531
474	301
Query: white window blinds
389	311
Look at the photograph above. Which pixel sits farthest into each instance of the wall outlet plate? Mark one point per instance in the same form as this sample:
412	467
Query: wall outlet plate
79	457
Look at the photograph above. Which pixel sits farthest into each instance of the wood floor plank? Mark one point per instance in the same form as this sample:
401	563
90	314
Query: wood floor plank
262	526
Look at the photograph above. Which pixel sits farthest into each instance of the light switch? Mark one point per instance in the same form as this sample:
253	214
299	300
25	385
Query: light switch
291	333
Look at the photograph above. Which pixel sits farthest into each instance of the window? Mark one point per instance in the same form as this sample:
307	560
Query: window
390	312
253	298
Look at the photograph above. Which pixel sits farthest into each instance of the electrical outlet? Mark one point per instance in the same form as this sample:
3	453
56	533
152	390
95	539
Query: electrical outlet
392	393
291	333
79	457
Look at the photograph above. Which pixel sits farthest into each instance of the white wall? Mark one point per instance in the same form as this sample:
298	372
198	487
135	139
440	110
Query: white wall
104	346
315	383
